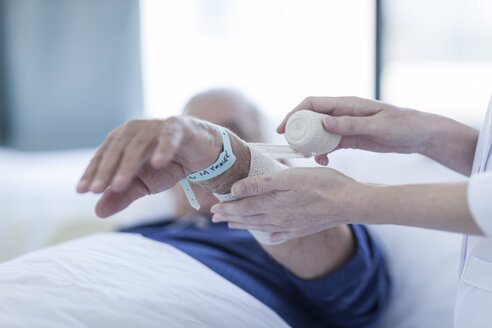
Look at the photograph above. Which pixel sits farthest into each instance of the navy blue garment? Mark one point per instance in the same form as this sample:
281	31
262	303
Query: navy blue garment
353	296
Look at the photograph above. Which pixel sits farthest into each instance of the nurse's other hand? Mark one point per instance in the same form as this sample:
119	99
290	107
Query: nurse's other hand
368	124
148	156
292	203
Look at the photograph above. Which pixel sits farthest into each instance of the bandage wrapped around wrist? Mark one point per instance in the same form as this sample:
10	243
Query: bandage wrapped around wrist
261	164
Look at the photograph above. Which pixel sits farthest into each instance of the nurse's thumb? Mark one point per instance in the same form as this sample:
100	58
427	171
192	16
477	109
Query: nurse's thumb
346	125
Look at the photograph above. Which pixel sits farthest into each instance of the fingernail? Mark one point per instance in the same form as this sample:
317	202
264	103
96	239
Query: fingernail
96	185
330	122
118	180
220	218
82	185
158	159
238	189
215	209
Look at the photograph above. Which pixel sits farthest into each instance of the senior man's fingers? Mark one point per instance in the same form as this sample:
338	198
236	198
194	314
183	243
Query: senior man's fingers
91	170
134	156
167	144
109	162
112	202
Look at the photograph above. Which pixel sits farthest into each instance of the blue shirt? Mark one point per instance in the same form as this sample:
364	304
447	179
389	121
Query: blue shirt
353	296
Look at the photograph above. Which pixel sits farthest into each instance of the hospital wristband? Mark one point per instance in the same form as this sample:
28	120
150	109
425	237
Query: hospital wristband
225	161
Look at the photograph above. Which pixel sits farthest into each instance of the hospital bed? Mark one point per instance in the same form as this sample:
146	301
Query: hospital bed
39	208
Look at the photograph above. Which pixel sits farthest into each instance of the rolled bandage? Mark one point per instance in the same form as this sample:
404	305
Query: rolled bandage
305	133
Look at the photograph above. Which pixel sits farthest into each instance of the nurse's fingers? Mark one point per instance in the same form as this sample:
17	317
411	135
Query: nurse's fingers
292	234
258	219
262	228
317	104
243	207
335	106
322	159
286	235
349	125
256	185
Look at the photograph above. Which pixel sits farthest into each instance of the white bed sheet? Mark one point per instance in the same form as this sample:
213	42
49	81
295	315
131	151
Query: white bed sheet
122	280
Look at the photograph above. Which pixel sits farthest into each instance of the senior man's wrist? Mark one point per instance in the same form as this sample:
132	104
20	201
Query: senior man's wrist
222	184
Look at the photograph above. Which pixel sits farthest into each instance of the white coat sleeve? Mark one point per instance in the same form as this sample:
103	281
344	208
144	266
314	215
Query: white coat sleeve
480	201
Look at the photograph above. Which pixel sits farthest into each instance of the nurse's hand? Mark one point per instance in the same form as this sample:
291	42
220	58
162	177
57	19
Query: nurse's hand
380	127
292	203
368	124
145	157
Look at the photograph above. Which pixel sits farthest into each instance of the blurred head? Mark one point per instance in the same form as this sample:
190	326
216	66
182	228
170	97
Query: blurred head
227	108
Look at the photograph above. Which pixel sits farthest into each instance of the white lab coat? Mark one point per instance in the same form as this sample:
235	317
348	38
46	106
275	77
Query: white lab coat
474	300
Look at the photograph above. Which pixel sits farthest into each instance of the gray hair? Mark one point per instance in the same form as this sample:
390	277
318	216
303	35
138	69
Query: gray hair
238	98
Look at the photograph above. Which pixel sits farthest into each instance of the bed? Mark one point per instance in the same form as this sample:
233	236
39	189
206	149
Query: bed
39	208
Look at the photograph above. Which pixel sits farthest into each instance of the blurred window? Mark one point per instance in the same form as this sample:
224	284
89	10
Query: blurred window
277	51
437	56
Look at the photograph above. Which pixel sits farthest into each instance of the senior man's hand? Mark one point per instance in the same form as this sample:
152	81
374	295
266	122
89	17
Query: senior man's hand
292	203
145	157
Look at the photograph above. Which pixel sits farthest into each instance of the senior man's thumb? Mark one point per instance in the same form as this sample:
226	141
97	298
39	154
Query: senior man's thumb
256	185
346	125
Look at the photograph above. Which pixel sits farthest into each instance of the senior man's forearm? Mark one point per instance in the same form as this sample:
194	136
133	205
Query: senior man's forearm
308	257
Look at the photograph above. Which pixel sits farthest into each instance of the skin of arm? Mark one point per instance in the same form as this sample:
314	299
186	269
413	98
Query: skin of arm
149	156
434	206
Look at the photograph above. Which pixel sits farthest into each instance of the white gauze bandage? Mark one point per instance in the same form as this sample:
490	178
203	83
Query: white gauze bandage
306	137
261	163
